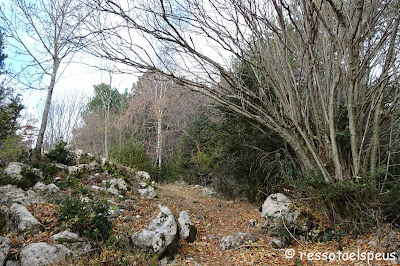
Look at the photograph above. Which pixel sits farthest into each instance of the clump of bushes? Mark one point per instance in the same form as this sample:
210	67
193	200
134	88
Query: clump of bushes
29	178
90	220
353	205
60	155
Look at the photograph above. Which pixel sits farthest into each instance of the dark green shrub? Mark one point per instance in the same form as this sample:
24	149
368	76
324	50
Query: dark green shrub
11	149
49	171
29	178
89	220
99	227
131	154
61	155
354	205
68	182
74	213
239	159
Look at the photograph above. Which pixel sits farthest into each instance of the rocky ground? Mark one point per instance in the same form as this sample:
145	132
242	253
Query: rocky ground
212	231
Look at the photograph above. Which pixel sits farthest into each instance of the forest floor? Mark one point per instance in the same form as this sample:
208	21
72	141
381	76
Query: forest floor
214	218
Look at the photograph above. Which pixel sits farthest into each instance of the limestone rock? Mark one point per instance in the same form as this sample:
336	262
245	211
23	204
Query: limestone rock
12	263
94	165
43	254
117	183
4	248
252	223
236	240
49	192
276	243
276	206
11	194
26	222
148	193
142	175
78	168
160	236
67	236
14	169
113	191
208	192
188	230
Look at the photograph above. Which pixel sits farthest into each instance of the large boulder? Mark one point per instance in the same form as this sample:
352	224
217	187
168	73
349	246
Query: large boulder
282	214
147	193
117	183
236	240
188	230
25	221
14	170
276	206
160	236
11	194
48	192
142	175
4	249
43	254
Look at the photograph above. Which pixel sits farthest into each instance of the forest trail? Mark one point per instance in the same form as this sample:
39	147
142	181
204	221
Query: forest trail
216	218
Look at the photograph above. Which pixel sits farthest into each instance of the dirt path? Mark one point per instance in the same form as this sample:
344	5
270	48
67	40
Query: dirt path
215	218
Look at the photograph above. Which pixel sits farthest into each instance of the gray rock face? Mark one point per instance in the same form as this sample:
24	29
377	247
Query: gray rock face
67	236
43	254
160	236
148	193
26	222
4	248
11	194
236	240
48	192
188	231
14	169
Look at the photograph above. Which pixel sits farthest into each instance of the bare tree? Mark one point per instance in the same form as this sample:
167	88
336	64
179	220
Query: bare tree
45	31
64	116
320	74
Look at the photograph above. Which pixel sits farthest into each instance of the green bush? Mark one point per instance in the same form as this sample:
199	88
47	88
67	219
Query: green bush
353	205
131	154
99	227
61	155
11	149
68	182
90	220
236	157
49	171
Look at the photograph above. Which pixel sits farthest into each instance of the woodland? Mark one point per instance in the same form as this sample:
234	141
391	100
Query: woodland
248	98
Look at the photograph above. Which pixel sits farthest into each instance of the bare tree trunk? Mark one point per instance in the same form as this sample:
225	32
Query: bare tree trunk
39	143
106	118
